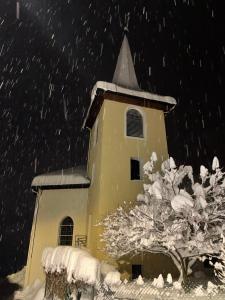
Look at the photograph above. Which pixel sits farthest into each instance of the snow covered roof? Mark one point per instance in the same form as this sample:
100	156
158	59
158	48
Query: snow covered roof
65	177
106	86
114	88
125	73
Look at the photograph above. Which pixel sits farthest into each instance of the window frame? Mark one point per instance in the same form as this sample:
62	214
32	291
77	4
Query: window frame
143	123
60	231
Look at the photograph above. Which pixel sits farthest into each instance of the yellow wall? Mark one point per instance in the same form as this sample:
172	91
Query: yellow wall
109	170
52	207
111	185
152	265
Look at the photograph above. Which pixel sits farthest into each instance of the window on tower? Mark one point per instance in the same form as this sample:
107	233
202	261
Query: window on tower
66	232
135	169
134	123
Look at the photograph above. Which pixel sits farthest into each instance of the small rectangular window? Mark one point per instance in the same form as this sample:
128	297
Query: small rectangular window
135	169
136	271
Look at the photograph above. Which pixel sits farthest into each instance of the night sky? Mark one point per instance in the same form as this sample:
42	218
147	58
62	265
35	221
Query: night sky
49	61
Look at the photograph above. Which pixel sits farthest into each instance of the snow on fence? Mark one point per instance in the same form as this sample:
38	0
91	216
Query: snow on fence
147	291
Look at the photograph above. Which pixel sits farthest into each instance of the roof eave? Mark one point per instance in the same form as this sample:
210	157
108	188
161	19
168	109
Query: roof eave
60	187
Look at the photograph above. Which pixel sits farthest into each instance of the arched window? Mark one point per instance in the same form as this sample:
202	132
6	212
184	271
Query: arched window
66	232
134	123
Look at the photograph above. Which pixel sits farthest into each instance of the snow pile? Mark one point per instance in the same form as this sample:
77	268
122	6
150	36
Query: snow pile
18	277
199	291
177	285
34	292
140	280
169	278
78	264
158	282
212	289
112	278
106	268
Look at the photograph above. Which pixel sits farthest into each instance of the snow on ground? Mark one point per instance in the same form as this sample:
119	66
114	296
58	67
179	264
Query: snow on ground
34	292
112	278
148	291
18	277
134	290
80	265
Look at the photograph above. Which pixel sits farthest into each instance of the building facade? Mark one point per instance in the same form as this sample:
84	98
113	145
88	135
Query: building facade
126	124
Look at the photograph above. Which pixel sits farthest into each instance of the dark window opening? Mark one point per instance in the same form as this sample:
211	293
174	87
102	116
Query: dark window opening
135	169
66	232
136	271
134	123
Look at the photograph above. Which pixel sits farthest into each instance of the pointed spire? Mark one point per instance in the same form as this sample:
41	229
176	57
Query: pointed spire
125	75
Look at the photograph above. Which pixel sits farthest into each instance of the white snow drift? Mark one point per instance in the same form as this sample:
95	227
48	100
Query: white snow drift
78	264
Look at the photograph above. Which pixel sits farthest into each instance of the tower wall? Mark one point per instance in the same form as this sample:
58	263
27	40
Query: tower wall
110	158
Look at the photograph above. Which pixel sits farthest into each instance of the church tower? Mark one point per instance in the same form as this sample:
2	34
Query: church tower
126	124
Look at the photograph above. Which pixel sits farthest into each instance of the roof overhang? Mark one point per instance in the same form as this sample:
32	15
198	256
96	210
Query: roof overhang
60	187
73	178
105	90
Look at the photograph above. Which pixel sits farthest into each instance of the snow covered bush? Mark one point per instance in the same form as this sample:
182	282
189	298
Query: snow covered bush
176	216
78	264
219	266
69	271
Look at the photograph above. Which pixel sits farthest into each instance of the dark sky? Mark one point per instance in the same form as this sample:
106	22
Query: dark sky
51	57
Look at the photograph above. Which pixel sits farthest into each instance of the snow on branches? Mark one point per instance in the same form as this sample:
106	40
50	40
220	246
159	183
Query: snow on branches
175	216
219	266
72	270
78	264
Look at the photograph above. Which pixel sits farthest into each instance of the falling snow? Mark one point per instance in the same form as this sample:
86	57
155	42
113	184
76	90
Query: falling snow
51	55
